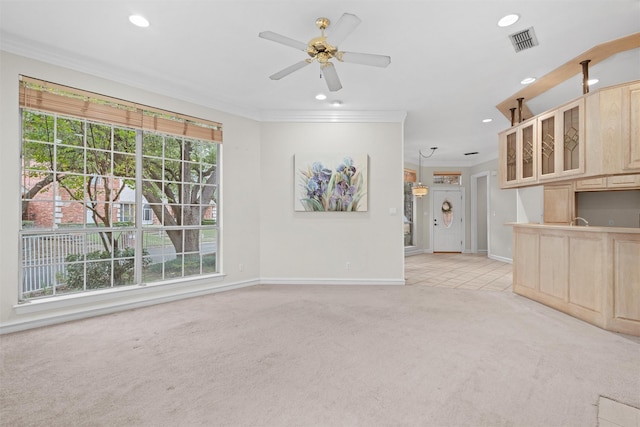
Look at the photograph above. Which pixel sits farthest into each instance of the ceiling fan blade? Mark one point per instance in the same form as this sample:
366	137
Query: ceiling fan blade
278	38
331	76
364	58
290	69
345	25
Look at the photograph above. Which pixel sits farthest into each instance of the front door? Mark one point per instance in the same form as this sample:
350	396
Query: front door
447	226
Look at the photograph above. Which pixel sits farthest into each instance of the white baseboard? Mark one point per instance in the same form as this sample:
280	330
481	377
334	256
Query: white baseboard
499	258
83	313
300	281
412	250
35	314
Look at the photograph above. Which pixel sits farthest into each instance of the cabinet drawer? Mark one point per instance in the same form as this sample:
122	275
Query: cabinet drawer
591	184
623	181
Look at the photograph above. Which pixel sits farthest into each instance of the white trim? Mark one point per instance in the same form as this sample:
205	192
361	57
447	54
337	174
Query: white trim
501	258
412	250
104	295
335	281
104	302
17	326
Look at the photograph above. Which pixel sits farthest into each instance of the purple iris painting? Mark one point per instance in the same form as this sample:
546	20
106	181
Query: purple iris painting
331	182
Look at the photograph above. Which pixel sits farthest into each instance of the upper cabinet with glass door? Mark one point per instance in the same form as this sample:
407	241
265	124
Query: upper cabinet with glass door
597	135
560	142
517	153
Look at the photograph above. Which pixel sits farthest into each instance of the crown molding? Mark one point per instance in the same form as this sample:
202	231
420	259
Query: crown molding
58	57
61	58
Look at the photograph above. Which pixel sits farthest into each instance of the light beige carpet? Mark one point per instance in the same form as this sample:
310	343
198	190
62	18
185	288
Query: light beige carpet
320	356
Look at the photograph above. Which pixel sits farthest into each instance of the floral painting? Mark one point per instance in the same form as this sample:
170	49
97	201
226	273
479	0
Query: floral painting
330	182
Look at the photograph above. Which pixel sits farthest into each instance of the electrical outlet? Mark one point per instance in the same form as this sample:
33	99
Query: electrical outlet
348	266
611	222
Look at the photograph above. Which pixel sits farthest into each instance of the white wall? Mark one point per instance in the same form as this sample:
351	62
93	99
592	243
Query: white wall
530	204
503	210
482	213
240	214
263	239
315	247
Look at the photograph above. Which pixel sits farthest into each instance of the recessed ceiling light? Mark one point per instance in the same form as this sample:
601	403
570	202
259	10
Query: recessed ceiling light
139	21
507	20
487	120
321	97
527	80
336	103
592	81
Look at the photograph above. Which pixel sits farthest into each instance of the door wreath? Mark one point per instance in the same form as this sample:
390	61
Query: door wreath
447	213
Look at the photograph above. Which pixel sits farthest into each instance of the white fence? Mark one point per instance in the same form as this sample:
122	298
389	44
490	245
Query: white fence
43	256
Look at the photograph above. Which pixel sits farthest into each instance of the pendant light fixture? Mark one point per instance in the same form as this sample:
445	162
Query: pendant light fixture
419	190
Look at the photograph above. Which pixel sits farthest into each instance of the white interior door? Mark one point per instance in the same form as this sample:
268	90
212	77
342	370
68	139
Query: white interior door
448	220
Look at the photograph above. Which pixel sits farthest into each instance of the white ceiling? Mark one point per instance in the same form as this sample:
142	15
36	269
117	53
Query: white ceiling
450	62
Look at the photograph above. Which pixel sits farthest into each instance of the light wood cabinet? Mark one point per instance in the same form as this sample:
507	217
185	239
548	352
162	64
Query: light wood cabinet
518	150
631	127
559	203
560	147
595	136
591	273
517	147
613	130
591	184
616	182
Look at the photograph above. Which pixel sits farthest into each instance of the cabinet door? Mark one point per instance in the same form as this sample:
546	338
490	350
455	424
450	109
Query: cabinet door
546	150
560	140
508	159
518	155
572	126
559	204
631	127
527	160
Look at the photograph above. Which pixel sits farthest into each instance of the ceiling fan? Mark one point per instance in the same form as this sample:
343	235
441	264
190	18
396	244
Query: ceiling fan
325	48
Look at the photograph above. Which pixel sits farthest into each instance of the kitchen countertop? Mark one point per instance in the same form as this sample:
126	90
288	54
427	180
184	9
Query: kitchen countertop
581	228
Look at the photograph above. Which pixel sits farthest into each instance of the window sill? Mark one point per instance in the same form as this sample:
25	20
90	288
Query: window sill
108	295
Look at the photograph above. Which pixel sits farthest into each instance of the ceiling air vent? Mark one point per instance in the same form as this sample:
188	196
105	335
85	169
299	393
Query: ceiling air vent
524	39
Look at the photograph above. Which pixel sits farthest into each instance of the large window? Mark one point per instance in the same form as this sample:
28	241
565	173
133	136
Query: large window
111	201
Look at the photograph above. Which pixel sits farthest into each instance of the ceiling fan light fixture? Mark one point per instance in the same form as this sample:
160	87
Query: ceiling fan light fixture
508	20
592	81
336	103
487	120
139	21
323	49
527	80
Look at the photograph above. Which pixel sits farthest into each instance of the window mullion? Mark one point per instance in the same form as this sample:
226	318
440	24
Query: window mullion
138	210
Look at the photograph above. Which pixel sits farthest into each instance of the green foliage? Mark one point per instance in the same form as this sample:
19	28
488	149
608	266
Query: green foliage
98	269
95	162
173	268
208	222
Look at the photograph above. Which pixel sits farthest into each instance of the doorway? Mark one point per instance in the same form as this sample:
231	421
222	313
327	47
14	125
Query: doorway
447	225
480	213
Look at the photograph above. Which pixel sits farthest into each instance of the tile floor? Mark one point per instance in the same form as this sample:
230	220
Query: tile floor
454	270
